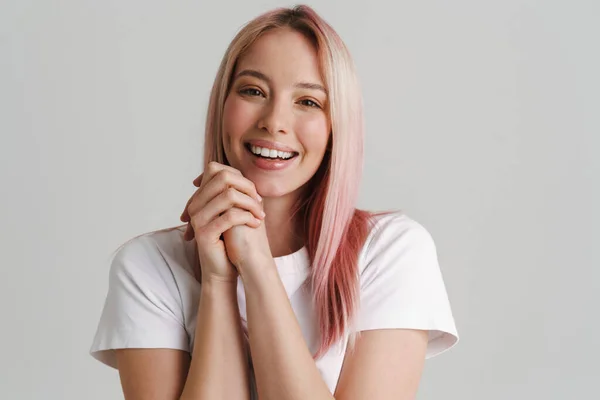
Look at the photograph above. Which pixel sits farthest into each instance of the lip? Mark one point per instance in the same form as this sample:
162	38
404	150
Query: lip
270	164
271	145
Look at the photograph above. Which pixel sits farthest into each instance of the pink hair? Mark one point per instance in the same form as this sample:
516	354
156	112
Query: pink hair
335	230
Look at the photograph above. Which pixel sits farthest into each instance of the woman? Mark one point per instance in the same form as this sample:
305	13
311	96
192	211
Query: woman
279	288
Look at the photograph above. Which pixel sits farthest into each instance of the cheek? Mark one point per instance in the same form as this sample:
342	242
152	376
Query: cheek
314	133
238	117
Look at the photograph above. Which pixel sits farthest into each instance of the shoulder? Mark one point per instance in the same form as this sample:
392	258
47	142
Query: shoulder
401	282
151	255
144	306
394	234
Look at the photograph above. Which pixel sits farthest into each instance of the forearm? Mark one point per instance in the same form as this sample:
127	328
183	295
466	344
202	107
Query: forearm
219	368
283	365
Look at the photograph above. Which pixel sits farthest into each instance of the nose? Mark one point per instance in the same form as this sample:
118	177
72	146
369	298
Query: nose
275	117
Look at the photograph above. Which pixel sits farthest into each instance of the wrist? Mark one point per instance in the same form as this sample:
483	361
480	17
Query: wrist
258	271
219	281
219	292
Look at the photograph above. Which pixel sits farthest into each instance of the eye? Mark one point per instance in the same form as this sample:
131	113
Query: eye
251	92
310	103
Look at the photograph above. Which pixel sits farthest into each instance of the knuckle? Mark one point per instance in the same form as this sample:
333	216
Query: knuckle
230	216
191	201
212	166
223	177
228	176
190	212
198	221
231	194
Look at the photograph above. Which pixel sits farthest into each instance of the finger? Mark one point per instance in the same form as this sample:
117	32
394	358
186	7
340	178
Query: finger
225	179
214	180
212	169
230	198
232	217
189	233
198	180
185	216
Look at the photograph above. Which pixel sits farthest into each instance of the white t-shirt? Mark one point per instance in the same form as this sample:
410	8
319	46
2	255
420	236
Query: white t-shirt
153	296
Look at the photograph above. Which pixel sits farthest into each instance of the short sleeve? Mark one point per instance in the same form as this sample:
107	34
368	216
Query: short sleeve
402	285
142	308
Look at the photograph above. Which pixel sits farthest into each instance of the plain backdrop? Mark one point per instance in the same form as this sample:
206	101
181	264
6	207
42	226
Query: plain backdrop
482	124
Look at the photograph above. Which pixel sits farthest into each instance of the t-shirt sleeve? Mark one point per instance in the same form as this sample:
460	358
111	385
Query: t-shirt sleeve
142	308
402	285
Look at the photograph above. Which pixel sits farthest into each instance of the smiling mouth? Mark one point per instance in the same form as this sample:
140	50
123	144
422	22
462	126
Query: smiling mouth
248	147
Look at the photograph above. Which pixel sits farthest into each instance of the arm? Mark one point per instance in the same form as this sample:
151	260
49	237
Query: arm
152	374
218	367
386	364
283	365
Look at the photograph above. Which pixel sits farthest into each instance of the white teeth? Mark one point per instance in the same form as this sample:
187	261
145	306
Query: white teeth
270	153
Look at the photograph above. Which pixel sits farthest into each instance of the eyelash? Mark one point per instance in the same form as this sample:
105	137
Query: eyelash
247	90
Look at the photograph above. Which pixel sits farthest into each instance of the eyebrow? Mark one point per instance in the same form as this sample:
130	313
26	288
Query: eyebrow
260	75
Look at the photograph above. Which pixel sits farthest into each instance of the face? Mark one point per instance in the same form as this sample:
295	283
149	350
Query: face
277	101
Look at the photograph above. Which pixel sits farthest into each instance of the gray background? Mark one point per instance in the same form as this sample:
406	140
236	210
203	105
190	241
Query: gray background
482	124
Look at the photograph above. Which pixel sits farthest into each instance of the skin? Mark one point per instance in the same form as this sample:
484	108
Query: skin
386	364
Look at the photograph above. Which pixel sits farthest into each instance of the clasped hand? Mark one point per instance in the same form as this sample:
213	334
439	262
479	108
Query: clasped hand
225	216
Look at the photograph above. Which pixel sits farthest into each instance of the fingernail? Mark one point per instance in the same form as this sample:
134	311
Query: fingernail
263	214
258	197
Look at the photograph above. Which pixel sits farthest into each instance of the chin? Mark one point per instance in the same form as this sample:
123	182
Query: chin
272	189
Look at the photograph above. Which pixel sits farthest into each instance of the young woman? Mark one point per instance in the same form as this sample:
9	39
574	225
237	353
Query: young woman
277	287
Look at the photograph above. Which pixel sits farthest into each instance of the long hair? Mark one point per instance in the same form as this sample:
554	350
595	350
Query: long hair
335	231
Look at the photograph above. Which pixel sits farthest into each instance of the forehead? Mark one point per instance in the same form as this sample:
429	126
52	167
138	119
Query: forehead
282	54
